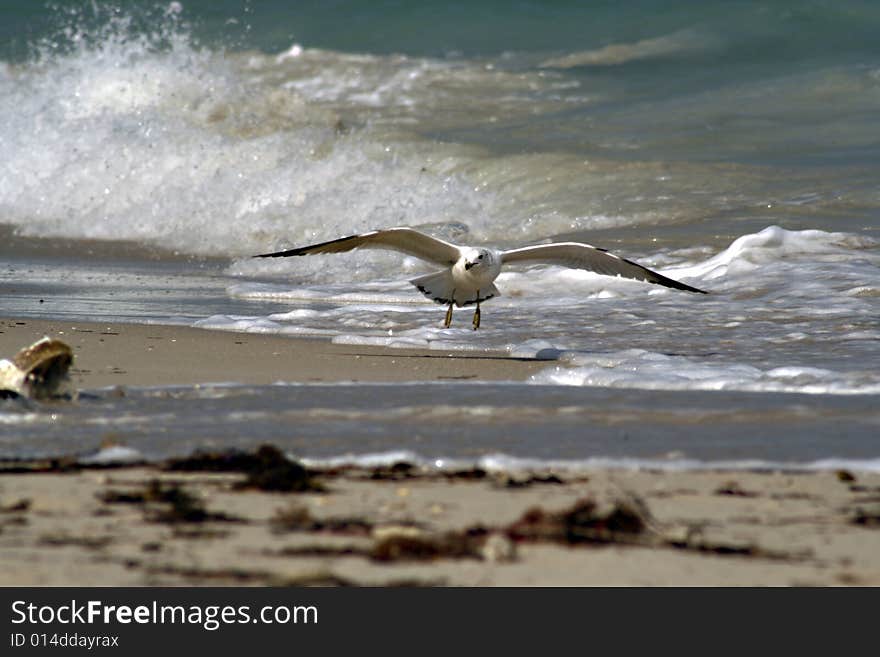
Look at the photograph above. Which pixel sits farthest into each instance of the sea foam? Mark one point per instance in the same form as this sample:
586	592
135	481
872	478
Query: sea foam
119	133
645	370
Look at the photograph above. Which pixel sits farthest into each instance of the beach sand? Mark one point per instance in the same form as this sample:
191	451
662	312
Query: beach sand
154	355
258	519
149	526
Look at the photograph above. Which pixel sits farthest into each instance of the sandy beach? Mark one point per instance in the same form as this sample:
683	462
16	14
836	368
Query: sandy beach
155	355
322	426
158	525
255	518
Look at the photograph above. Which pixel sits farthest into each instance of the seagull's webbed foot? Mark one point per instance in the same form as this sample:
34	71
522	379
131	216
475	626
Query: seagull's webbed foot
448	321
477	315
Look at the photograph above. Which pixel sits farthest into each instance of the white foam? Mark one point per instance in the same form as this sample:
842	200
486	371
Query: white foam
537	349
145	137
239	323
636	368
506	463
113	455
209	153
777	297
749	252
198	152
378	459
502	463
23	419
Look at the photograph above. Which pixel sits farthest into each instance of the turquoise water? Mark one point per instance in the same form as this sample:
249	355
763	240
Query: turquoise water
775	33
734	145
738	71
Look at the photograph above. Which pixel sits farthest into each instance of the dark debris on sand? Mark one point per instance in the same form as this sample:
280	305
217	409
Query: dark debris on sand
866	515
424	546
734	489
626	522
19	506
299	519
524	481
584	522
395	472
845	476
63	464
409	542
267	469
166	502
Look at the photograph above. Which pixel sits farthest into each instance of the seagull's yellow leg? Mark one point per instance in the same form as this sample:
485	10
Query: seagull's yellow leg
477	314
448	320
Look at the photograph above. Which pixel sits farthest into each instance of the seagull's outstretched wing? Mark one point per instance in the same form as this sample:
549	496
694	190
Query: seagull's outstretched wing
405	240
584	256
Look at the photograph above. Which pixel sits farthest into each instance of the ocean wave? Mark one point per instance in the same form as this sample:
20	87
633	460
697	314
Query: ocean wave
500	463
505	463
773	244
776	297
644	370
145	135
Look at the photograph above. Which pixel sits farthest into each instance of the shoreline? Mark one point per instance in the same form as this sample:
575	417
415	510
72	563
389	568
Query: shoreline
144	355
258	519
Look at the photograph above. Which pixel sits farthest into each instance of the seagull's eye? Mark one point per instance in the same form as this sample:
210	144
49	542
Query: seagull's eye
480	257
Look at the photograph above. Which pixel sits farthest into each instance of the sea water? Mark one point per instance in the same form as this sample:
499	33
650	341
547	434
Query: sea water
148	151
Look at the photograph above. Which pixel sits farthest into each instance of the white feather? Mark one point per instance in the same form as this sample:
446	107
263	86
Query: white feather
471	271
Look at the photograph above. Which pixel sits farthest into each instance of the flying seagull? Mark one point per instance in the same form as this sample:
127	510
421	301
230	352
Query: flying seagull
469	273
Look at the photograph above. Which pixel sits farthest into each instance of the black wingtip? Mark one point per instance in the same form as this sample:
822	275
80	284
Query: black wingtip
303	250
688	288
684	287
311	248
665	281
660	279
277	254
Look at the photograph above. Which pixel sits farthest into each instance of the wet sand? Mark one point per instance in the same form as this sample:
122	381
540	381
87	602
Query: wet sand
154	355
268	522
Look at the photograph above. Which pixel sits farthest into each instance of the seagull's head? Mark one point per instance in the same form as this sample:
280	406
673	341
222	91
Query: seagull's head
478	258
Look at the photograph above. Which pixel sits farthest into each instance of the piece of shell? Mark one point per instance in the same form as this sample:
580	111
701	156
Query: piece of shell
36	371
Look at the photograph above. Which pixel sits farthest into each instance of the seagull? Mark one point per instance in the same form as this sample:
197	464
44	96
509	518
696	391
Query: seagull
469	273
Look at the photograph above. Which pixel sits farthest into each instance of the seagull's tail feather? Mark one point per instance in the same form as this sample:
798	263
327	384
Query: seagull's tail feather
440	287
